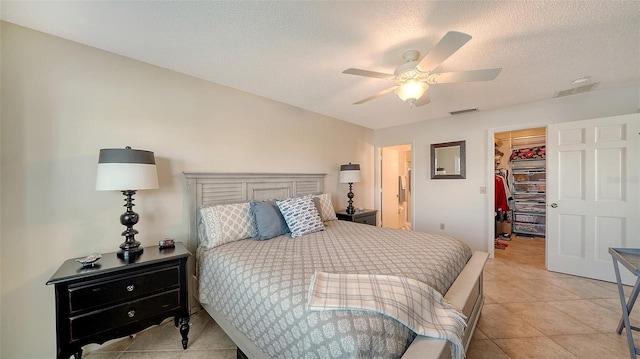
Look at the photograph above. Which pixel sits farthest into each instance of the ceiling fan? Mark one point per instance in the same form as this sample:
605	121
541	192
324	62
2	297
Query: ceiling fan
412	79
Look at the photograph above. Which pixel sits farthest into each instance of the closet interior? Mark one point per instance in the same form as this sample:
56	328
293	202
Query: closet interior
520	184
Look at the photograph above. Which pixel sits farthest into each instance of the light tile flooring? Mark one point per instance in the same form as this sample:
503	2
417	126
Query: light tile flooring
533	313
529	313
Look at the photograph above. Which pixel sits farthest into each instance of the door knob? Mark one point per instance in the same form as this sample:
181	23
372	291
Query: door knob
554	205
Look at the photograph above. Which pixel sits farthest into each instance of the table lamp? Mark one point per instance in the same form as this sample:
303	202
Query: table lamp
350	174
127	170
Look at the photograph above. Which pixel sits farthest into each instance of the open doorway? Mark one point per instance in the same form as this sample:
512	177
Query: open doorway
520	194
395	187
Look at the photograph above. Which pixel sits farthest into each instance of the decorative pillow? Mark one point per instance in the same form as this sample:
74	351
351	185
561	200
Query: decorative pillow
327	213
301	215
226	223
269	221
202	233
316	203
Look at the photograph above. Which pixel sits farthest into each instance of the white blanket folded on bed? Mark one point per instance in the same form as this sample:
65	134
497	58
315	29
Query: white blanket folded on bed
411	302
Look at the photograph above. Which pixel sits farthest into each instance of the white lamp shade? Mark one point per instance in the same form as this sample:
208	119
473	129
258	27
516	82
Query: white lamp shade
126	170
411	90
126	176
350	173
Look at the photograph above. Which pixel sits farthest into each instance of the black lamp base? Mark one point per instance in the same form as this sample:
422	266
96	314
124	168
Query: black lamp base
130	253
130	248
350	208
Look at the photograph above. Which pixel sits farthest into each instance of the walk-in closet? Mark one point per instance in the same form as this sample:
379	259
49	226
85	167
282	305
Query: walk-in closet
520	186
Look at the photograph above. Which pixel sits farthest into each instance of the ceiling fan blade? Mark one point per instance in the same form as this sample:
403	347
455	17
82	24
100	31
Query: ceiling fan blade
464	76
449	44
422	100
368	73
381	93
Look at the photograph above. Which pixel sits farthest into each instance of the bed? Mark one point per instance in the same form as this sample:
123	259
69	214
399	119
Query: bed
248	284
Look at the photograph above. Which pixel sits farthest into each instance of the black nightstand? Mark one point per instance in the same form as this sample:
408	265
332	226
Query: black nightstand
368	216
115	298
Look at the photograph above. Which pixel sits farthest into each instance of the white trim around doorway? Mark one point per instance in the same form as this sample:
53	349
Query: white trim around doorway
490	188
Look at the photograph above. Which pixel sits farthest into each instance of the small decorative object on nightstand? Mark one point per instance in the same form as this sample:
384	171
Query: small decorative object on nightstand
115	298
366	216
90	260
350	174
166	243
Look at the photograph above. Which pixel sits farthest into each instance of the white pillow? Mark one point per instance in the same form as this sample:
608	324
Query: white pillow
301	215
327	213
226	223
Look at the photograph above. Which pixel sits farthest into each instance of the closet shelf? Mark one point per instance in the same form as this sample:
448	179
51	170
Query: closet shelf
529	228
535	164
530	196
535	218
527	159
528	141
529	192
529	187
531	207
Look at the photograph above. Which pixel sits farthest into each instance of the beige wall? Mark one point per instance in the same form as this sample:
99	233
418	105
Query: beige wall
459	203
62	102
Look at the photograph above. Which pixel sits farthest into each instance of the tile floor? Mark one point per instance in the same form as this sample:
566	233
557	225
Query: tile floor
529	313
533	313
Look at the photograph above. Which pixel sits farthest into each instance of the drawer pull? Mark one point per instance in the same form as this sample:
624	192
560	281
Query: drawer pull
130	288
131	313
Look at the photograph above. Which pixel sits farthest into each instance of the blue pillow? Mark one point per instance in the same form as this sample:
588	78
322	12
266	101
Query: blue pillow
269	221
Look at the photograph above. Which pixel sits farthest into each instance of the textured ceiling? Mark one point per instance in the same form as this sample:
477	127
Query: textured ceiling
295	52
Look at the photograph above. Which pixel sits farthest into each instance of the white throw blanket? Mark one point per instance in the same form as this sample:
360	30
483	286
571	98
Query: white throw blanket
411	302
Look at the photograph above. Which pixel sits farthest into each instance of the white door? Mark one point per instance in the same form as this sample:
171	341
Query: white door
593	195
389	176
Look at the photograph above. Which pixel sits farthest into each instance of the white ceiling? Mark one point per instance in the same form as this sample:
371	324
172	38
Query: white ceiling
295	52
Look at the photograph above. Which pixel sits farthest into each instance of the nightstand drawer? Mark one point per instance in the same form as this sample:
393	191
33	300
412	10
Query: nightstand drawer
100	293
124	314
369	219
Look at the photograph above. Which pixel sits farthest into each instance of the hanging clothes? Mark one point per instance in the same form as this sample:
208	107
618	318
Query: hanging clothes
501	195
503	173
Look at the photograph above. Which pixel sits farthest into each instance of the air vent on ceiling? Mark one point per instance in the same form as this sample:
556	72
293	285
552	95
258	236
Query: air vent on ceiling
463	111
576	90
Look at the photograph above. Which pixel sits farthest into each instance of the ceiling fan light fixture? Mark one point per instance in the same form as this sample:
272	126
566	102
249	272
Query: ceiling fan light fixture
412	78
410	91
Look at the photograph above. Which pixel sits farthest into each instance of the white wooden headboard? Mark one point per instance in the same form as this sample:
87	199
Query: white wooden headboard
219	188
